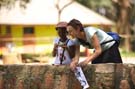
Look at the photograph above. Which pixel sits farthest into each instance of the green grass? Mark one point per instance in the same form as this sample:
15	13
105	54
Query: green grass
127	54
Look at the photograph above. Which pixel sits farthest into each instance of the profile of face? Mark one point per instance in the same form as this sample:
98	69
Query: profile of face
72	31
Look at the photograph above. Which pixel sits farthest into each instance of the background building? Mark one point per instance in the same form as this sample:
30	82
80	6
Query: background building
31	29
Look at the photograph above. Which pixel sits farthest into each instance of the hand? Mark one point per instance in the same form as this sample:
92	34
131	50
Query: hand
64	46
73	65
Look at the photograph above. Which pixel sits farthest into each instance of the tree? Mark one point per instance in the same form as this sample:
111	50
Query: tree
60	9
10	3
123	22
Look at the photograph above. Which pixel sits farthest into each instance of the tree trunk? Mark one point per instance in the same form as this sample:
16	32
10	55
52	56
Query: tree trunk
123	24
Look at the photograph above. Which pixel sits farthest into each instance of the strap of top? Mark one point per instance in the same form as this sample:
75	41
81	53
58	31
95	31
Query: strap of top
61	59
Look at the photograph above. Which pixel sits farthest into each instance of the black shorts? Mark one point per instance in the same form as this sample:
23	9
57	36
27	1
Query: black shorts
111	55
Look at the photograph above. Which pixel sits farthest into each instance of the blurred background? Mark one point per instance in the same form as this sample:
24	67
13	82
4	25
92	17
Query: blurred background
27	27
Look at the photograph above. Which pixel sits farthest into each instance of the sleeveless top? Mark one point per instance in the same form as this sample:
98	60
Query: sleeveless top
103	37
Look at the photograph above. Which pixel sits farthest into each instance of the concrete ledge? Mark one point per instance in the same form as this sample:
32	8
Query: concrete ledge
41	76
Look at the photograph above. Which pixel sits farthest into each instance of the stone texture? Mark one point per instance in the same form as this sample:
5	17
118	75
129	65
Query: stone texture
41	76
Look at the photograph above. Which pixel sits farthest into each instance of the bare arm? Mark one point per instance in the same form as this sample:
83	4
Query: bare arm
71	51
75	60
98	50
54	52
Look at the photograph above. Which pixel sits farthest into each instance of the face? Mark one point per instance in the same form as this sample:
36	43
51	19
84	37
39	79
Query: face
72	31
61	31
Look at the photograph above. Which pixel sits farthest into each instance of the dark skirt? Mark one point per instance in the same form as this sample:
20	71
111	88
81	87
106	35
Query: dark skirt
112	55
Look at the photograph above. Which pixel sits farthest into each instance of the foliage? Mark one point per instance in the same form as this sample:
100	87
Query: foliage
103	7
85	2
9	4
95	3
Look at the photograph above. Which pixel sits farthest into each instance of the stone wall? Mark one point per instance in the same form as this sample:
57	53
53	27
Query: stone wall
40	76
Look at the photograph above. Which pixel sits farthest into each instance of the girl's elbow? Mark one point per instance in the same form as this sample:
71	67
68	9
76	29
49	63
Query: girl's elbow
99	51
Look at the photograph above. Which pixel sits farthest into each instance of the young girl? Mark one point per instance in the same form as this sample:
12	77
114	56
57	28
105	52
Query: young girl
64	52
64	48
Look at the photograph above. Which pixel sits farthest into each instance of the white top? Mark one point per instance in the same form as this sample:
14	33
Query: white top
103	37
66	57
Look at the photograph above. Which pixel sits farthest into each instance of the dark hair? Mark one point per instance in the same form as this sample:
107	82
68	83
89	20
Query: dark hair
61	28
75	24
